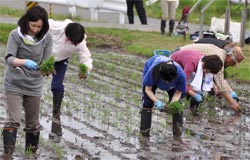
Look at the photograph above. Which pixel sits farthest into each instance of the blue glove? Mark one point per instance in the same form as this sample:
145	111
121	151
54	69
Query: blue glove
234	95
30	64
159	105
198	97
88	74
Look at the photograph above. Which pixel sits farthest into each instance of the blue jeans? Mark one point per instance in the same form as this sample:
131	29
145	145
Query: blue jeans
57	86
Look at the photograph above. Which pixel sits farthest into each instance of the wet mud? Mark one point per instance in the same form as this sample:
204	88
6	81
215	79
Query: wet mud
100	119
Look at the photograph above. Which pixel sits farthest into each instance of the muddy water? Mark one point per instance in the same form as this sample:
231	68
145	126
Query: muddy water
100	119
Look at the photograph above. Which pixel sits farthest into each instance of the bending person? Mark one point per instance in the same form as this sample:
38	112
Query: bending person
161	72
230	57
68	38
199	70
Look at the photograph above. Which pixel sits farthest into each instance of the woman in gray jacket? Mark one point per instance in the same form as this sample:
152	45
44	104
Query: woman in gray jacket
28	45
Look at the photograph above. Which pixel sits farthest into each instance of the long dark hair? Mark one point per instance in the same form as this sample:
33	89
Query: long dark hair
165	70
212	63
34	14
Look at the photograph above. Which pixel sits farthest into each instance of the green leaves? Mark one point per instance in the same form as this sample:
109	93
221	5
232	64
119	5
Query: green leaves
175	107
47	67
83	71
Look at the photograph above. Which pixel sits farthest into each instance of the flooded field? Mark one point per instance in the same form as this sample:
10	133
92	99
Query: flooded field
100	119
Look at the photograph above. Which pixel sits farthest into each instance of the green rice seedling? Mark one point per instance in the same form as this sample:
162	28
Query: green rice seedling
128	129
83	69
58	150
188	133
19	147
174	107
28	153
212	113
47	67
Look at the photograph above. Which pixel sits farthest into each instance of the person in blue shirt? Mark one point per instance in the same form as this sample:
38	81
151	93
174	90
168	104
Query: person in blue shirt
163	73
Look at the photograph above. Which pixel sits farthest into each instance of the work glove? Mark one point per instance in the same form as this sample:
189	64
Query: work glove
30	64
198	97
234	95
159	105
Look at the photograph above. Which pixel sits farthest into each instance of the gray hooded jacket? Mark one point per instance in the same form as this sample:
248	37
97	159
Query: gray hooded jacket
20	79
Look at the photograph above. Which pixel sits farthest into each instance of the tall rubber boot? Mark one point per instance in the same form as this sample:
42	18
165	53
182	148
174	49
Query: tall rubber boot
56	128
31	142
146	118
184	35
163	26
171	27
9	141
194	106
178	127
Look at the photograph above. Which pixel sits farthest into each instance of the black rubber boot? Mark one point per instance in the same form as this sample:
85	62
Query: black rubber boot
177	124
194	106
184	35
31	142
146	118
178	127
163	26
56	128
9	141
171	27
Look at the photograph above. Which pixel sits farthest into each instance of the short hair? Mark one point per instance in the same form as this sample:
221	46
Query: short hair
34	14
75	33
212	63
164	70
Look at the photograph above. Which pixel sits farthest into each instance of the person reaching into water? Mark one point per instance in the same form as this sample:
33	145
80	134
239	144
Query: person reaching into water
163	73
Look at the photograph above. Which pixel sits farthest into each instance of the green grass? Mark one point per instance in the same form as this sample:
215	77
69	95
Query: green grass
216	9
136	42
10	11
4	31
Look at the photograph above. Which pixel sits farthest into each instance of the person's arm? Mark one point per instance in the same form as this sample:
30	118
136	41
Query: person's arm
224	92
191	91
48	48
85	55
176	96
150	93
11	52
189	68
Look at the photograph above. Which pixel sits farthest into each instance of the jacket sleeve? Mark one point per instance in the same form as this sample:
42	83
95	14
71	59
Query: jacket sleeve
85	55
219	81
12	48
48	47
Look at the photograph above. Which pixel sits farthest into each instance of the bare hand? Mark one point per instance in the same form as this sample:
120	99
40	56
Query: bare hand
236	107
82	76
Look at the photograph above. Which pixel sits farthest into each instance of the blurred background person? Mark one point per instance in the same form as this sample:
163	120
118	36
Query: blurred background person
168	9
139	6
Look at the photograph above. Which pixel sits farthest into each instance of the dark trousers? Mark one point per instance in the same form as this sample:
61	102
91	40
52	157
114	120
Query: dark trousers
177	120
140	11
57	86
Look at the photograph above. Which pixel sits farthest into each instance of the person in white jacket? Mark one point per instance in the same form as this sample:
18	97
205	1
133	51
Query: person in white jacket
68	38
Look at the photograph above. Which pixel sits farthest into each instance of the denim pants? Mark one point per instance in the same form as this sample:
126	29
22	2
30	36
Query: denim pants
57	86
